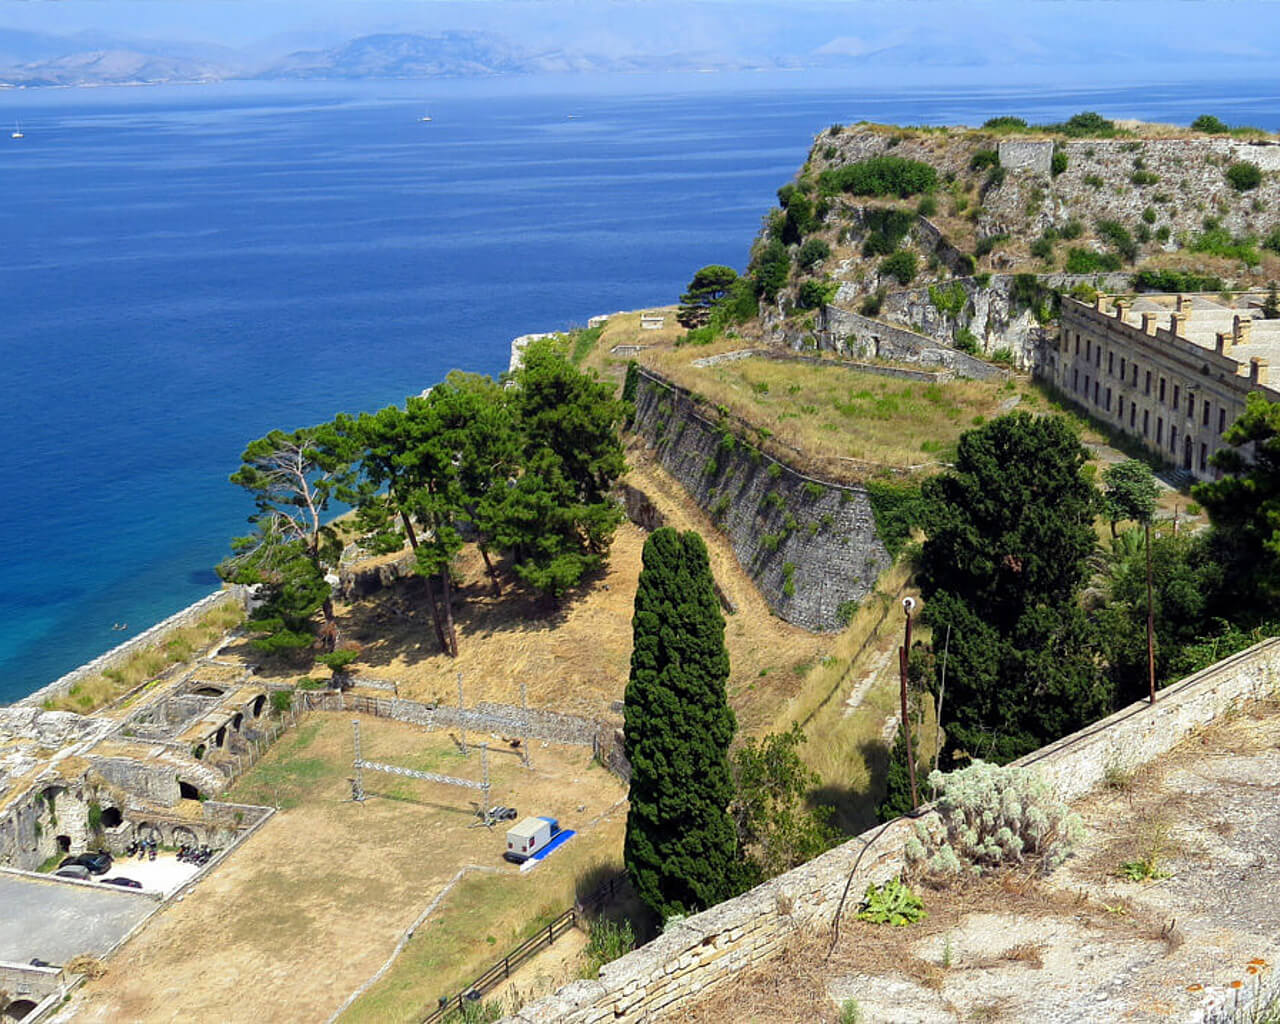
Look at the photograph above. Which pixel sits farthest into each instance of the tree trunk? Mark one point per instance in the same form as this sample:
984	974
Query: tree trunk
408	530
330	625
493	573
450	632
435	614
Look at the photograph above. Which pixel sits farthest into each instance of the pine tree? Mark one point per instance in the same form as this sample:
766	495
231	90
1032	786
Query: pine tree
681	849
897	795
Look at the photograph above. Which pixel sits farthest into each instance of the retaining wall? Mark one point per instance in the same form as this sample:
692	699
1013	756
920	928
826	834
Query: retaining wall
710	947
186	617
809	545
851	333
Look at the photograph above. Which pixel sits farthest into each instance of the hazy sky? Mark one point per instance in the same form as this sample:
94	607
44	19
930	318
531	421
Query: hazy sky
1198	32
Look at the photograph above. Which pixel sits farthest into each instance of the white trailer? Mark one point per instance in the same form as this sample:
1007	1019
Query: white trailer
529	837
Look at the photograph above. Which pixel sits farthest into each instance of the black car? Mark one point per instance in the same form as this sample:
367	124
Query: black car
97	863
128	883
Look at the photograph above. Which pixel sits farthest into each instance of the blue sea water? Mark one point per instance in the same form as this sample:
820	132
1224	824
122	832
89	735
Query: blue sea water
185	269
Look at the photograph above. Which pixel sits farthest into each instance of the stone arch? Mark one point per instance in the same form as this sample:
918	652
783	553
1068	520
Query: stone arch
221	736
187	790
259	703
183	834
111	817
63	843
237	720
19	1009
208	691
146	830
198	753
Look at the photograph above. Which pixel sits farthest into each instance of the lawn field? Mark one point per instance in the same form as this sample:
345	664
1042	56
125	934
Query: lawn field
314	903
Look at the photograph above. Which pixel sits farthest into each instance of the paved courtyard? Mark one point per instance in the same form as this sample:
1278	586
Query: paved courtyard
55	920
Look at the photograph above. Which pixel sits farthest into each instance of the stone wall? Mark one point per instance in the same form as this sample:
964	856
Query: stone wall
26	983
708	948
846	332
1025	155
188	616
810	545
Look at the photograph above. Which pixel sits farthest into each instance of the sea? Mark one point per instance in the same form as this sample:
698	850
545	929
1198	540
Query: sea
187	268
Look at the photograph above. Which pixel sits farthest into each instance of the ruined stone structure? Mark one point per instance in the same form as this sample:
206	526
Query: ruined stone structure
1171	371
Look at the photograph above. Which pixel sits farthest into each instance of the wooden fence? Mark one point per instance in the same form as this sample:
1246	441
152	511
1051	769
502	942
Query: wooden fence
501	970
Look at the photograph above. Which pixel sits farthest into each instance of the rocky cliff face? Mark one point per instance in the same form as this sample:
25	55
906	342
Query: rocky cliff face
810	546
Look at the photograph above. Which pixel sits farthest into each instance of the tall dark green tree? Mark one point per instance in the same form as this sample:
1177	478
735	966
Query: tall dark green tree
1244	507
1011	525
1010	530
710	285
1131	492
558	519
294	478
681	850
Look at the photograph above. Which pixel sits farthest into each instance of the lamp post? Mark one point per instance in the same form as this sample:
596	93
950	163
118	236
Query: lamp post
908	605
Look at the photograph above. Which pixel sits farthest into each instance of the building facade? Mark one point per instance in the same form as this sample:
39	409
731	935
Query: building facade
1170	371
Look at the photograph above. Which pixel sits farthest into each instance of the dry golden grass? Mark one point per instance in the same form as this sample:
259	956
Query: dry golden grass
177	647
347	879
838	422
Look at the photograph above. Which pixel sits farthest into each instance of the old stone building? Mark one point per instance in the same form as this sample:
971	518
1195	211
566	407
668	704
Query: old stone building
1170	370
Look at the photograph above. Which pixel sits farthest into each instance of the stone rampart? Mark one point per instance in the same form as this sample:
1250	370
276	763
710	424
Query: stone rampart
810	545
709	948
188	616
849	333
21	984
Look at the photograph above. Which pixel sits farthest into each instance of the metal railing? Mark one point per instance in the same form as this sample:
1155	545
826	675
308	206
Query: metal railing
501	970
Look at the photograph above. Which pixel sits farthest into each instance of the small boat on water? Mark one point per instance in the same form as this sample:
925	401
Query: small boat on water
424	118
17	132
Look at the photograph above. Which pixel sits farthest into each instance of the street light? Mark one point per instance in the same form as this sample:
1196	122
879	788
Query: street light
908	606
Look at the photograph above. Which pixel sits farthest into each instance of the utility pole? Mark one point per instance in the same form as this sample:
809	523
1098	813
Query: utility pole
908	604
1151	621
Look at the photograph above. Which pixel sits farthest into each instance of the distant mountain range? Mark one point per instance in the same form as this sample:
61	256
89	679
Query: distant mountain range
31	59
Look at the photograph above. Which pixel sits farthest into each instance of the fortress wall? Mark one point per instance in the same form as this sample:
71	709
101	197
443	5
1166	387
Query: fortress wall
1025	155
709	948
809	545
844	331
187	617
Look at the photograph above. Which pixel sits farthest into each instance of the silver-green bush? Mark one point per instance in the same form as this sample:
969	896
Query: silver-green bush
989	816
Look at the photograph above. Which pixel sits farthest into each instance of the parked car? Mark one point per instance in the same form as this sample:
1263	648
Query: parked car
128	883
73	871
97	863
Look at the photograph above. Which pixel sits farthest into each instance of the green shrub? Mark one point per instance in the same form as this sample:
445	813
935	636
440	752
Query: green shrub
966	341
990	816
1117	236
1162	233
1272	241
1058	162
870	305
281	701
1042	249
950	299
812	252
986	244
1149	215
1210	125
901	265
897	508
892	903
927	206
846	610
1244	176
983	159
1085	125
1175	281
1218	241
606	941
880	176
994	179
1071	230
1084	261
698	336
1003	355
1005	123
886	228
1093	181
815	294
1144	178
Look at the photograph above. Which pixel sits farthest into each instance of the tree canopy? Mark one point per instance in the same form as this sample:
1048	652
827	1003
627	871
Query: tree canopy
710	285
681	849
1131	492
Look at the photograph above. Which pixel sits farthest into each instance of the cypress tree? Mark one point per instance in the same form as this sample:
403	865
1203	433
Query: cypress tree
681	849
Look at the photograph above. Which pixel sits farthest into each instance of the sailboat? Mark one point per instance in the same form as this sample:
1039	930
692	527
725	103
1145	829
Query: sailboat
17	132
425	117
